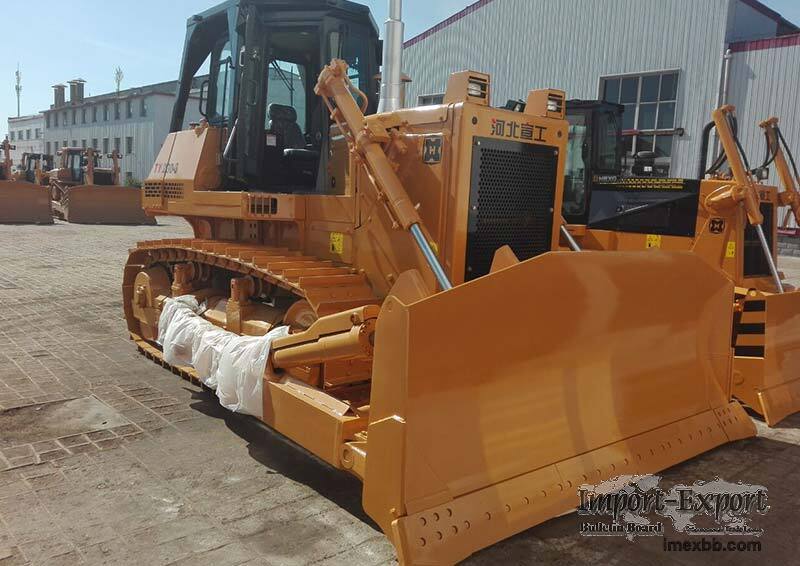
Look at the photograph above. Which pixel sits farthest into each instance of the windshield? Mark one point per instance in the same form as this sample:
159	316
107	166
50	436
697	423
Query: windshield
575	171
608	146
207	70
286	87
354	49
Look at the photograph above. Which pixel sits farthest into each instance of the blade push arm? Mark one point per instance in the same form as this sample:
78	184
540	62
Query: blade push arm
366	142
745	187
790	196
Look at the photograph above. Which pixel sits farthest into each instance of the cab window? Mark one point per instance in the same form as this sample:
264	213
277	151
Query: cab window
575	172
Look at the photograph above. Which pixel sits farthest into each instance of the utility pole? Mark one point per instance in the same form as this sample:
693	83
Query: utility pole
18	88
118	76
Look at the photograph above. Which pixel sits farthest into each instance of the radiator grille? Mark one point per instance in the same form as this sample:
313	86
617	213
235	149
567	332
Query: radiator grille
154	192
512	196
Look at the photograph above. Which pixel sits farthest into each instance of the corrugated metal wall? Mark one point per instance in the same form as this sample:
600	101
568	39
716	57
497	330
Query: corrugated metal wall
570	44
765	83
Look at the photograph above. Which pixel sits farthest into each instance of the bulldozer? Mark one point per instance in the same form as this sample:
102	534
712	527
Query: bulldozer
388	289
35	168
83	192
728	218
23	198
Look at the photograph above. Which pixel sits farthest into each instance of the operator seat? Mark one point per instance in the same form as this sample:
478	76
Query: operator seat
301	162
283	123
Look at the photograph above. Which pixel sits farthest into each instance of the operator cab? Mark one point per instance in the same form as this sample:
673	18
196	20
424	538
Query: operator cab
595	151
250	67
30	161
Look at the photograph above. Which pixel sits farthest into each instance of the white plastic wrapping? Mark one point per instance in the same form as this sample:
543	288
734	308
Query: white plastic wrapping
177	327
240	373
206	356
232	365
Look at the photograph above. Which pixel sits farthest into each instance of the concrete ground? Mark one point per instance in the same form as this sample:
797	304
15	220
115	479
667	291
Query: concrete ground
141	467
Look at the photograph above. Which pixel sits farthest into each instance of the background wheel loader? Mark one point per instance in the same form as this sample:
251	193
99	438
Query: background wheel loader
399	277
85	193
729	219
23	197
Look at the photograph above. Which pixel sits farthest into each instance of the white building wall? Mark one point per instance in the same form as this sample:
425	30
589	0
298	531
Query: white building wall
26	133
765	83
147	132
570	44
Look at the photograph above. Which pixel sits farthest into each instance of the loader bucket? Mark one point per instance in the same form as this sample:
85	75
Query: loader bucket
24	203
104	204
766	366
493	402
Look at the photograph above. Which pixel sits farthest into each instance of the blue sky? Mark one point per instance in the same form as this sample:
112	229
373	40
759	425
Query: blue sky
145	38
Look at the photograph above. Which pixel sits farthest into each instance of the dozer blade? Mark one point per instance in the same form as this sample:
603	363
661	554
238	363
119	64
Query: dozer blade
766	367
493	402
24	203
97	204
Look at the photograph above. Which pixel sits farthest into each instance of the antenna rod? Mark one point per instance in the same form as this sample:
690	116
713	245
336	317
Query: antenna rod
18	88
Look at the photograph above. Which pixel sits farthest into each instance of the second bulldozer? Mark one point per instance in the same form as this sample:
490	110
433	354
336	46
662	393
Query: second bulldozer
425	332
85	193
24	199
728	219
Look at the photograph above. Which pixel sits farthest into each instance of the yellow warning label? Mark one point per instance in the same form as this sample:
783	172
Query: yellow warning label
653	241
730	251
337	243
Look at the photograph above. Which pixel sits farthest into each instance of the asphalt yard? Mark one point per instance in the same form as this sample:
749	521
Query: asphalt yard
108	458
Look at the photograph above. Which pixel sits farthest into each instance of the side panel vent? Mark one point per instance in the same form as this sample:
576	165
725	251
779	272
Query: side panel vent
512	195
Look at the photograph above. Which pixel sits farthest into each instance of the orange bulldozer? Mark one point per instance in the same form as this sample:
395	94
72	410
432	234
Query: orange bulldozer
85	193
729	219
388	289
24	196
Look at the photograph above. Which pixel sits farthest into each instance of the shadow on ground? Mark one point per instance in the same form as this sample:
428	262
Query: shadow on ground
284	457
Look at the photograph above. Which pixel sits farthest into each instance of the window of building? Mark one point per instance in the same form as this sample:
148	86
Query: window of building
129	145
116	111
94	114
83	115
83	144
38	133
74	116
143	107
649	118
95	145
431	99
64	143
129	108
65	119
11	136
117	145
47	148
74	143
105	112
55	119
47	121
27	134
106	147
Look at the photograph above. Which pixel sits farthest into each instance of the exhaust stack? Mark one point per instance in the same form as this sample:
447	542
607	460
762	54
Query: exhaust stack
392	66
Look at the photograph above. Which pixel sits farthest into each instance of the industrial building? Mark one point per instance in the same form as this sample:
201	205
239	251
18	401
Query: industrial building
26	134
133	121
670	63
